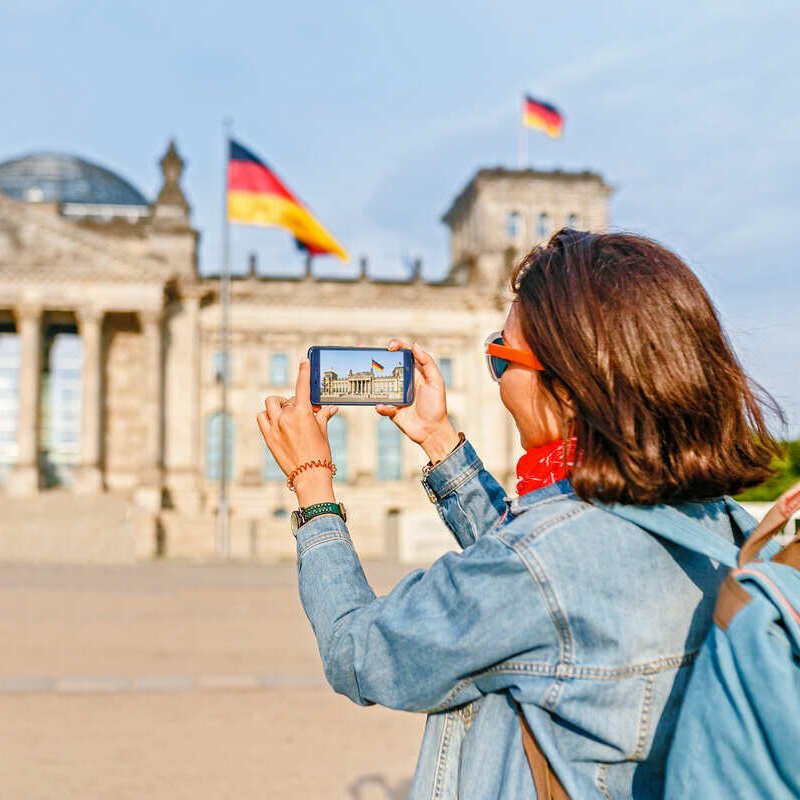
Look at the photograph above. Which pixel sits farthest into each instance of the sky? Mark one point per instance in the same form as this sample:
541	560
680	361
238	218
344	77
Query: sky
342	361
377	115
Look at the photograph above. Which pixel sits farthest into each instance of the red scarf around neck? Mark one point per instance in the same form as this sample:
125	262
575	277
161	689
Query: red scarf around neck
543	465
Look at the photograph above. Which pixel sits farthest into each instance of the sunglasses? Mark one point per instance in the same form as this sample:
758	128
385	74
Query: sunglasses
498	356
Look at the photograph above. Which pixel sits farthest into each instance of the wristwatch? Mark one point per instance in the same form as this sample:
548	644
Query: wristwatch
303	515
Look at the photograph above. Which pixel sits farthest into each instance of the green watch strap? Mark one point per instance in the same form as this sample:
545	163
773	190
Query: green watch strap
309	512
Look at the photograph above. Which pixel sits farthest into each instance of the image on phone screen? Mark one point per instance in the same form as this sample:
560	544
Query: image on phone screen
360	374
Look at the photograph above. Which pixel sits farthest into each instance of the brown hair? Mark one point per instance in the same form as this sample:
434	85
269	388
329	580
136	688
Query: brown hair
660	406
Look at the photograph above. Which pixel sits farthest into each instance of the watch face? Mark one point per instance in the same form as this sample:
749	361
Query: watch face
344	513
295	521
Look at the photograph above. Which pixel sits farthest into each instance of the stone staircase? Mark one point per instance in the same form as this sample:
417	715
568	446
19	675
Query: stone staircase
57	526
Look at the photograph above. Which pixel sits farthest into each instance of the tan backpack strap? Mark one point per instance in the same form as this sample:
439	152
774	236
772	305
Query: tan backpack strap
548	786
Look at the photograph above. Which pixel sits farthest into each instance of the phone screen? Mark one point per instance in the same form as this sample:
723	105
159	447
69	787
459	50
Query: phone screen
361	375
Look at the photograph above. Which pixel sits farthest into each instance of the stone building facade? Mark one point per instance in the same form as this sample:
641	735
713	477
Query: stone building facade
119	275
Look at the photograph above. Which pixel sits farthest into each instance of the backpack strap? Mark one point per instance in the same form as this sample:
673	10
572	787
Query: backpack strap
545	780
668	523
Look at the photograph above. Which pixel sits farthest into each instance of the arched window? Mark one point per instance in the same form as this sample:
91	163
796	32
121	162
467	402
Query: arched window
390	451
544	225
572	220
337	436
513	225
272	472
214	446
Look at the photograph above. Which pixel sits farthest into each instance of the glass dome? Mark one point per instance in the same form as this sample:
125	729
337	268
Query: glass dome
57	178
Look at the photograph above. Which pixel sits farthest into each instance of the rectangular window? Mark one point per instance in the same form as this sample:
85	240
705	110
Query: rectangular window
221	367
278	369
446	368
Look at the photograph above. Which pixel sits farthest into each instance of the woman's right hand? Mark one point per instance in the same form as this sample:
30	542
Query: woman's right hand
425	420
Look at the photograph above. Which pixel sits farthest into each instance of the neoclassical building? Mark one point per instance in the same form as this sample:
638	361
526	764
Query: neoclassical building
111	370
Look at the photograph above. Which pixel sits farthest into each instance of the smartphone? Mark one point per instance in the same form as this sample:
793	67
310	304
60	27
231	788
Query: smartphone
361	376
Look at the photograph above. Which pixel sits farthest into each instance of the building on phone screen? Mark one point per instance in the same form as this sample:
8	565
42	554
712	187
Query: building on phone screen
362	386
111	367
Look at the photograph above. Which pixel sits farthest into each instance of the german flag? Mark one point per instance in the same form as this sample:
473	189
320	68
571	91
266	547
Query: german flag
542	116
376	365
257	196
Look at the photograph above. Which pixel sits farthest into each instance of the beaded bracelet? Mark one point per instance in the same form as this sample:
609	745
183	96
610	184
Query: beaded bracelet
319	462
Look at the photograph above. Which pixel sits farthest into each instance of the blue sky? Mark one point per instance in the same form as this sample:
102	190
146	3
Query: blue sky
342	361
377	115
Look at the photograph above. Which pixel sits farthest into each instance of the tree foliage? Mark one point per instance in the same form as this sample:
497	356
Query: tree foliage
787	472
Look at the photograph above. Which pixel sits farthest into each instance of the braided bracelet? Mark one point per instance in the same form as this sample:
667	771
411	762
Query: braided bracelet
318	462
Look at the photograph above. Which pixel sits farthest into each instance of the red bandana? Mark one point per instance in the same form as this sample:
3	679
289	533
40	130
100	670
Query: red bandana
541	466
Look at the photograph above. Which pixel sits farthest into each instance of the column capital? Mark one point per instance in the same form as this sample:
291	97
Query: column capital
88	315
150	316
27	311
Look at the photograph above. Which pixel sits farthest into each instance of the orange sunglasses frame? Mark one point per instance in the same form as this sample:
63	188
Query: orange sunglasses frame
524	357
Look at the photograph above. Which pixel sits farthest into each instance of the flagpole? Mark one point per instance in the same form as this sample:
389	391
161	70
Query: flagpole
522	140
223	511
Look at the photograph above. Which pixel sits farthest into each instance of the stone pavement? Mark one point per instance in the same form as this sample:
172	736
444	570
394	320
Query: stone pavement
170	680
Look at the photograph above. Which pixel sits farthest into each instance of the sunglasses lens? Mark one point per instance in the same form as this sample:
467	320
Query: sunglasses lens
499	365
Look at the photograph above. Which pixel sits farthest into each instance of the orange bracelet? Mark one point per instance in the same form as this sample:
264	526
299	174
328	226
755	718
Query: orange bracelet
319	462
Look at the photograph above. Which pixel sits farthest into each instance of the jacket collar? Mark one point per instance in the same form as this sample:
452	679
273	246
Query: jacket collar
516	505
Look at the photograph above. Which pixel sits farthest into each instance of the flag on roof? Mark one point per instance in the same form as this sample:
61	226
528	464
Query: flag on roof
542	116
376	365
257	196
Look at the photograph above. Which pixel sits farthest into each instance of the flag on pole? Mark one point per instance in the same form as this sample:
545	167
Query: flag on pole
542	116
256	196
376	365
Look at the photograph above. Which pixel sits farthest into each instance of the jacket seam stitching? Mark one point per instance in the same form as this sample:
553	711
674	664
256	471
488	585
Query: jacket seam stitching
324	538
469	471
644	718
441	756
472	530
600	779
543	668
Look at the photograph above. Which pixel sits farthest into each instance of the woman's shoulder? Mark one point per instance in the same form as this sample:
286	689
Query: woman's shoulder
566	522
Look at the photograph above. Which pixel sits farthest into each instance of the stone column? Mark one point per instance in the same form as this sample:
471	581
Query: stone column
183	428
149	492
88	476
24	479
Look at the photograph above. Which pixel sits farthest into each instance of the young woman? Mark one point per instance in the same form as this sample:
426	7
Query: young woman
556	612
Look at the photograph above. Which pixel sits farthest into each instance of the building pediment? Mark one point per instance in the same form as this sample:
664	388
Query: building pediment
36	243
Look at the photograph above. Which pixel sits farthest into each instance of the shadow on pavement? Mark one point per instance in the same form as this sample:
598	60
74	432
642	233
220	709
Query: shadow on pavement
376	787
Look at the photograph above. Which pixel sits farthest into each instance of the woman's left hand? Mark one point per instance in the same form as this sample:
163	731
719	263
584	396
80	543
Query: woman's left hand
296	432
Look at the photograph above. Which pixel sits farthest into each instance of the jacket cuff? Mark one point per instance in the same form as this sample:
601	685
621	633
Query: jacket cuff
450	473
320	530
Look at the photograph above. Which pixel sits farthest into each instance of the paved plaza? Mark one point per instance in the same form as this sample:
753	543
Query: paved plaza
171	680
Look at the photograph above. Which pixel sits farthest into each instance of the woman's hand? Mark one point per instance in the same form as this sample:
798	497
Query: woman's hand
425	420
296	432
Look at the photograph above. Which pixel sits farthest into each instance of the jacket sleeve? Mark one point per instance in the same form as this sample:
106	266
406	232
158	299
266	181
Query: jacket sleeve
421	647
469	499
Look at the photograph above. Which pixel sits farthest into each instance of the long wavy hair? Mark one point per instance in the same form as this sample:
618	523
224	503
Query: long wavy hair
636	359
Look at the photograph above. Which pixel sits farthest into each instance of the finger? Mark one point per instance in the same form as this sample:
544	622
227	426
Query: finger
397	344
263	423
426	363
273	404
386	411
302	390
324	415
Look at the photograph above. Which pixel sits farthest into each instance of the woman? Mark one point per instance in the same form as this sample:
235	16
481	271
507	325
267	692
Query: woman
624	390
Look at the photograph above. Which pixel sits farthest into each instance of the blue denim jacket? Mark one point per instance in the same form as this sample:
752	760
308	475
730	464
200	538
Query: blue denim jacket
585	619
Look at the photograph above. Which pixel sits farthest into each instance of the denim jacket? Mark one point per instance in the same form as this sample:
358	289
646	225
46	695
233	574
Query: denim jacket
587	621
